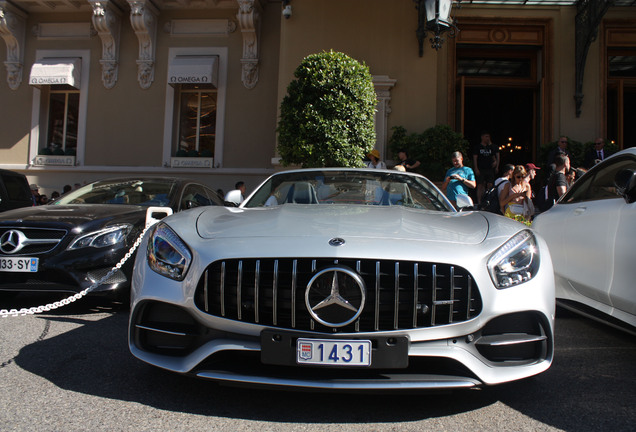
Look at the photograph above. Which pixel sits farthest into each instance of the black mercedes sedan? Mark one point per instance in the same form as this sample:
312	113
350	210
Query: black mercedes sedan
73	243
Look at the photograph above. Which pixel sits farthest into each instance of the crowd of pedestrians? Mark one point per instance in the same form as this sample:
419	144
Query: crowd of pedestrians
41	199
520	193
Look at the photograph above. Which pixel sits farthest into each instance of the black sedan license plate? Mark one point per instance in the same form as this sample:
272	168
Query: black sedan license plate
333	352
18	264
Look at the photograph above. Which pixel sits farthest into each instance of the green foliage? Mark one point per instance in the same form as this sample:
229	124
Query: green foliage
433	148
327	116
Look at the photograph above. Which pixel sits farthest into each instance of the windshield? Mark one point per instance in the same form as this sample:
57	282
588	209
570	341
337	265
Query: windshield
132	192
362	187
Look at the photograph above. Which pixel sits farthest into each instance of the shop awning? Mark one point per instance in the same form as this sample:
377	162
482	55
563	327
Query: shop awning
193	70
52	71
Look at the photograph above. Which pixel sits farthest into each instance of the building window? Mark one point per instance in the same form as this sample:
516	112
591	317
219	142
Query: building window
63	115
196	120
498	67
194	115
60	83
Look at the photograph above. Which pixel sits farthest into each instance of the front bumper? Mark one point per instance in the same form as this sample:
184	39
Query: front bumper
511	337
72	272
506	348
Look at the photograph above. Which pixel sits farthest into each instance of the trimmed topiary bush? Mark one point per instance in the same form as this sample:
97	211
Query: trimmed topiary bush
327	116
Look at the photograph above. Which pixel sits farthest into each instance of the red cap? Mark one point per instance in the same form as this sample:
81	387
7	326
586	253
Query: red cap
532	166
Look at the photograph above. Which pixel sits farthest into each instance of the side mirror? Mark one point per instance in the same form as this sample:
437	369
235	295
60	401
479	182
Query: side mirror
625	182
234	196
464	202
191	204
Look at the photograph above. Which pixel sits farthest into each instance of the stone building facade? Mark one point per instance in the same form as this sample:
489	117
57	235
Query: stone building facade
100	88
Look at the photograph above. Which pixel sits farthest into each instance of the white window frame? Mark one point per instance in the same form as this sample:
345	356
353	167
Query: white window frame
169	120
39	112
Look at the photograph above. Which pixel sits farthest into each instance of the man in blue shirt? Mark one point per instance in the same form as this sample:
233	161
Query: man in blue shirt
458	179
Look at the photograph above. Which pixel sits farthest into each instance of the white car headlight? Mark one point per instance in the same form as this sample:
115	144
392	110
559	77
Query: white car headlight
168	255
103	238
516	262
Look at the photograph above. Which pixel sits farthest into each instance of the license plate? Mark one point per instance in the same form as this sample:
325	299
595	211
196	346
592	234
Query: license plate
19	264
331	352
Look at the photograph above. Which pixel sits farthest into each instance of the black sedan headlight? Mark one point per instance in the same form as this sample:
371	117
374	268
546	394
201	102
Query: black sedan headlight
105	237
516	262
167	254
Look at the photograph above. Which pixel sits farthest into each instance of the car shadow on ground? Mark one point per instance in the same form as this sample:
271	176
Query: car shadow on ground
590	386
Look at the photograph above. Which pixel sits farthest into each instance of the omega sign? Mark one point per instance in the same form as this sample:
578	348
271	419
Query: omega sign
175	79
48	80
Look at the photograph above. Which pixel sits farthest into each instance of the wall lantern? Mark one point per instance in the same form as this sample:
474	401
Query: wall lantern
434	16
287	9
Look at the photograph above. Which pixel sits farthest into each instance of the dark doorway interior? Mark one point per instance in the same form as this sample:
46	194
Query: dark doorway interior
629	134
508	114
621	128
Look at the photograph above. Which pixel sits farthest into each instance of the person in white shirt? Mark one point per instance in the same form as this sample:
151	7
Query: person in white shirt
375	161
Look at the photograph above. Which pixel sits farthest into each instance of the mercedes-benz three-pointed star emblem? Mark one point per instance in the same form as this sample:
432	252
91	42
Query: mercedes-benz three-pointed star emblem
10	241
335	296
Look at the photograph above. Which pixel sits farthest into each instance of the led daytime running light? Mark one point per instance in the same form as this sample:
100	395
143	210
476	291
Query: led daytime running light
516	262
167	254
105	237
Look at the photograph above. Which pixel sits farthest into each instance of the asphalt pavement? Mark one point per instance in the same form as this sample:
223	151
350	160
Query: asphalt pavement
70	370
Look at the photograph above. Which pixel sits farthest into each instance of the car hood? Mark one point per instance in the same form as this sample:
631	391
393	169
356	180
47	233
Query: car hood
395	222
73	214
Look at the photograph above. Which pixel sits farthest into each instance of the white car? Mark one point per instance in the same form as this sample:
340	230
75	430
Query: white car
349	279
591	233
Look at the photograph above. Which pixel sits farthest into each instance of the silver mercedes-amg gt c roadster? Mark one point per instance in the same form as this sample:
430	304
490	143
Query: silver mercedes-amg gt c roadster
344	279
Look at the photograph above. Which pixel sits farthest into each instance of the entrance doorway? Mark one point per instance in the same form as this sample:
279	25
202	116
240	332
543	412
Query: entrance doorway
503	84
621	106
508	114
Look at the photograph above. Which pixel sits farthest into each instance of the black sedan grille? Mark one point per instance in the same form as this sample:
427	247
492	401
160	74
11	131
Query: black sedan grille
43	239
399	294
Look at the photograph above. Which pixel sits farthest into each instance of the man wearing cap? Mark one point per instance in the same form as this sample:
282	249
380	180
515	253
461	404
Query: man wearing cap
375	161
531	169
35	195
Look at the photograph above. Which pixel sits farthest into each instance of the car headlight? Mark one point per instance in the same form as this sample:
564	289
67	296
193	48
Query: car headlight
167	254
516	262
103	238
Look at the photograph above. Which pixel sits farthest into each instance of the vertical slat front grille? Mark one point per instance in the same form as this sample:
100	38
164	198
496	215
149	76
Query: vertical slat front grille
399	295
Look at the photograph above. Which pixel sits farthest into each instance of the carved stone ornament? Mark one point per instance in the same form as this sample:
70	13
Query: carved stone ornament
107	20
143	17
13	30
249	21
589	14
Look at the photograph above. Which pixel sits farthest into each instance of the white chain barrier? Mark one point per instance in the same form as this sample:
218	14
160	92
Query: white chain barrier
150	221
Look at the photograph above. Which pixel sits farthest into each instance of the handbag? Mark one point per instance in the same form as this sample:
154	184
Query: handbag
528	208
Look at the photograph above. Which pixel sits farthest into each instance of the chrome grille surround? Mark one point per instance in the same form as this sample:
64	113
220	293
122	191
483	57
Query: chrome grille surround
41	240
400	295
